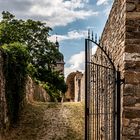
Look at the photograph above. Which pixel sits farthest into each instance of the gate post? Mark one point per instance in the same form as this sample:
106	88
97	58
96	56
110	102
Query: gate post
86	91
118	105
86	118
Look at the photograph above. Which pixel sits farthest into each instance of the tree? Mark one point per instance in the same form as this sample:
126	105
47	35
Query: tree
32	33
42	53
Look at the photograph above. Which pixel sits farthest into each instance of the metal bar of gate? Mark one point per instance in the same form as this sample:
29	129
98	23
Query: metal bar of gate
87	87
102	99
86	107
118	105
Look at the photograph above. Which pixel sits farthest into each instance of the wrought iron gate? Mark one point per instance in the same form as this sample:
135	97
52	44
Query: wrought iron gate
102	95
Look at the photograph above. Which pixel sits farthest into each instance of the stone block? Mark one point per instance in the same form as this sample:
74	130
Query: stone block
131	57
128	131
129	89
131	112
132	77
138	90
136	120
130	7
133	15
129	101
138	8
132	48
133	35
131	129
132	1
125	138
125	122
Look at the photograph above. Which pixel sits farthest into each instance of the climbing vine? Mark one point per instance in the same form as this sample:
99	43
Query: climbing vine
15	68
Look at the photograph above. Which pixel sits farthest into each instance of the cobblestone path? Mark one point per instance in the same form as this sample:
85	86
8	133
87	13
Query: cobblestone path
50	121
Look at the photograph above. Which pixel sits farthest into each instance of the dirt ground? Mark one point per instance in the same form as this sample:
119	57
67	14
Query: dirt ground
49	121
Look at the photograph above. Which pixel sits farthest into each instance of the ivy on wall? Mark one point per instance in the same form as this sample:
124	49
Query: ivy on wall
15	68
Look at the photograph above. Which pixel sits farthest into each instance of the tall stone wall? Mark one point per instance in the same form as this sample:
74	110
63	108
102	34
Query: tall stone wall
78	86
131	58
35	92
121	37
3	106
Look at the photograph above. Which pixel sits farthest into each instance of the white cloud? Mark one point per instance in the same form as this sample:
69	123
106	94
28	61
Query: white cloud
76	62
59	12
53	12
100	2
75	34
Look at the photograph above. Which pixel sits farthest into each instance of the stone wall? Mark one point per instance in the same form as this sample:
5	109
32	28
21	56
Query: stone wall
69	95
76	87
121	37
131	58
3	106
35	92
83	88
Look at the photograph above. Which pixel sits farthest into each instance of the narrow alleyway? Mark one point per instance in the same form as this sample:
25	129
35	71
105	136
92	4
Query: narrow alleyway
50	121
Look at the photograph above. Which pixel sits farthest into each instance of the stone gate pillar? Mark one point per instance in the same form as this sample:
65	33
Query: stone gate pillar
131	94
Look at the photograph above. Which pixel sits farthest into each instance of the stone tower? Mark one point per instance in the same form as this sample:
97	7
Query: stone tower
60	62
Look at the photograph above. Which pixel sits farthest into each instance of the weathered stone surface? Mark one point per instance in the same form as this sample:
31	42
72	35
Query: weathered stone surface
131	112
131	129
132	77
35	92
134	15
137	104
76	87
128	131
132	48
138	8
138	90
129	101
131	56
136	120
125	138
129	89
130	7
121	36
125	122
133	35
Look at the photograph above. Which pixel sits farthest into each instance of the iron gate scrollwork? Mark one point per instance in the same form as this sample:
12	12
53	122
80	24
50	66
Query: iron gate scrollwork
102	95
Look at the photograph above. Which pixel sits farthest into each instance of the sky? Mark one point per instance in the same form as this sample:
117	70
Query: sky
70	21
